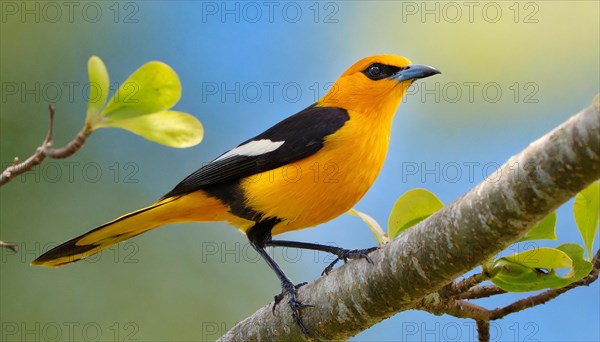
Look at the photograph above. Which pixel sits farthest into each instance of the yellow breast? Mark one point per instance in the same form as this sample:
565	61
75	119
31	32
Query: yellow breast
325	185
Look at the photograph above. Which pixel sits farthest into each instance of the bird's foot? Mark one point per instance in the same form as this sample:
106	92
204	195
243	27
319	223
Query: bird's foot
346	254
296	306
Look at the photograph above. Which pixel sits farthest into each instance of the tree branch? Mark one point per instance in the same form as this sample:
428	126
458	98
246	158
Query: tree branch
483	330
456	239
437	304
445	301
483	291
35	159
10	246
45	150
460	286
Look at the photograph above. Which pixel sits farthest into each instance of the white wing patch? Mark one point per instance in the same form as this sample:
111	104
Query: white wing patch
253	148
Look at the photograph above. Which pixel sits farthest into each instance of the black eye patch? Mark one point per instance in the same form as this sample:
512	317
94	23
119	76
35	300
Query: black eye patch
378	71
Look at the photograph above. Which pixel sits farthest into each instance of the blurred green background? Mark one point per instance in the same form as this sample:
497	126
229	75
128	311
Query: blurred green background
511	72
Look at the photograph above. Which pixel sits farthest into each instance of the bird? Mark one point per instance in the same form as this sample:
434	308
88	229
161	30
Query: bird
267	185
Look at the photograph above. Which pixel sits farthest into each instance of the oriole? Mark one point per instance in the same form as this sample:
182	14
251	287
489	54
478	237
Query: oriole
346	134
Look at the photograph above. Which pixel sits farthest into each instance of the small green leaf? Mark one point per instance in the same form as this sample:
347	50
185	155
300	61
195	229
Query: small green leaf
171	128
99	88
514	277
587	214
411	208
581	267
381	237
541	257
545	230
152	88
534	270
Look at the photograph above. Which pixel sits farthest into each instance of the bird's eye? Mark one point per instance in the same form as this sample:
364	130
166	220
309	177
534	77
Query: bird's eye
375	71
378	71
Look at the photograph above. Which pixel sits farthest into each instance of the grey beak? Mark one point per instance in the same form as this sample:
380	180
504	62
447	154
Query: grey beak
416	71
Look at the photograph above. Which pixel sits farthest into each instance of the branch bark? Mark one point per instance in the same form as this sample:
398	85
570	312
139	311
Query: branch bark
45	150
458	238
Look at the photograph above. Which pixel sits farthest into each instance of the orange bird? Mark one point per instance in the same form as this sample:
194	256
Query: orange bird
258	186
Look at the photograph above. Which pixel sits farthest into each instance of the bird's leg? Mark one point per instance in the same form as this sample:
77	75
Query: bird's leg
288	288
341	253
259	235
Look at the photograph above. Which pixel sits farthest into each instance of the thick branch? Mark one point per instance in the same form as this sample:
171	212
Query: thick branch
461	236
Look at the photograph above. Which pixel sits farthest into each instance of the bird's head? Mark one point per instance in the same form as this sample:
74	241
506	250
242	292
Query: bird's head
375	84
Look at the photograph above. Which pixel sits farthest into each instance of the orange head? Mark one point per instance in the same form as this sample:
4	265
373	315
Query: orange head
375	85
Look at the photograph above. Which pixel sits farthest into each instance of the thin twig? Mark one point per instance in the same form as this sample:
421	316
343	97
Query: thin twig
439	305
452	307
482	291
71	148
45	150
10	246
447	302
460	286
35	159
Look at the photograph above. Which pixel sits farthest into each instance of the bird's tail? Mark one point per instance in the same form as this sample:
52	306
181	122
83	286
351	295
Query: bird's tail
170	210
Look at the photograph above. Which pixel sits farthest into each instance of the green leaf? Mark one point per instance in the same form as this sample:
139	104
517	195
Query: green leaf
381	237
99	88
171	128
587	214
535	269
541	257
152	88
581	267
411	208
545	230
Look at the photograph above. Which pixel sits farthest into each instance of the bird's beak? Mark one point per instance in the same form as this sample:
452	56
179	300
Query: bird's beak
415	71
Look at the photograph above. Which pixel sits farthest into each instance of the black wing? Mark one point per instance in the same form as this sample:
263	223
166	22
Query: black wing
302	135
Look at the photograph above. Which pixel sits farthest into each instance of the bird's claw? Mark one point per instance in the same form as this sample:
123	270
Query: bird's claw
295	304
350	254
279	297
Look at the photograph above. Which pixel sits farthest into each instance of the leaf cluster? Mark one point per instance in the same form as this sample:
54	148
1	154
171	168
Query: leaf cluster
141	105
531	270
